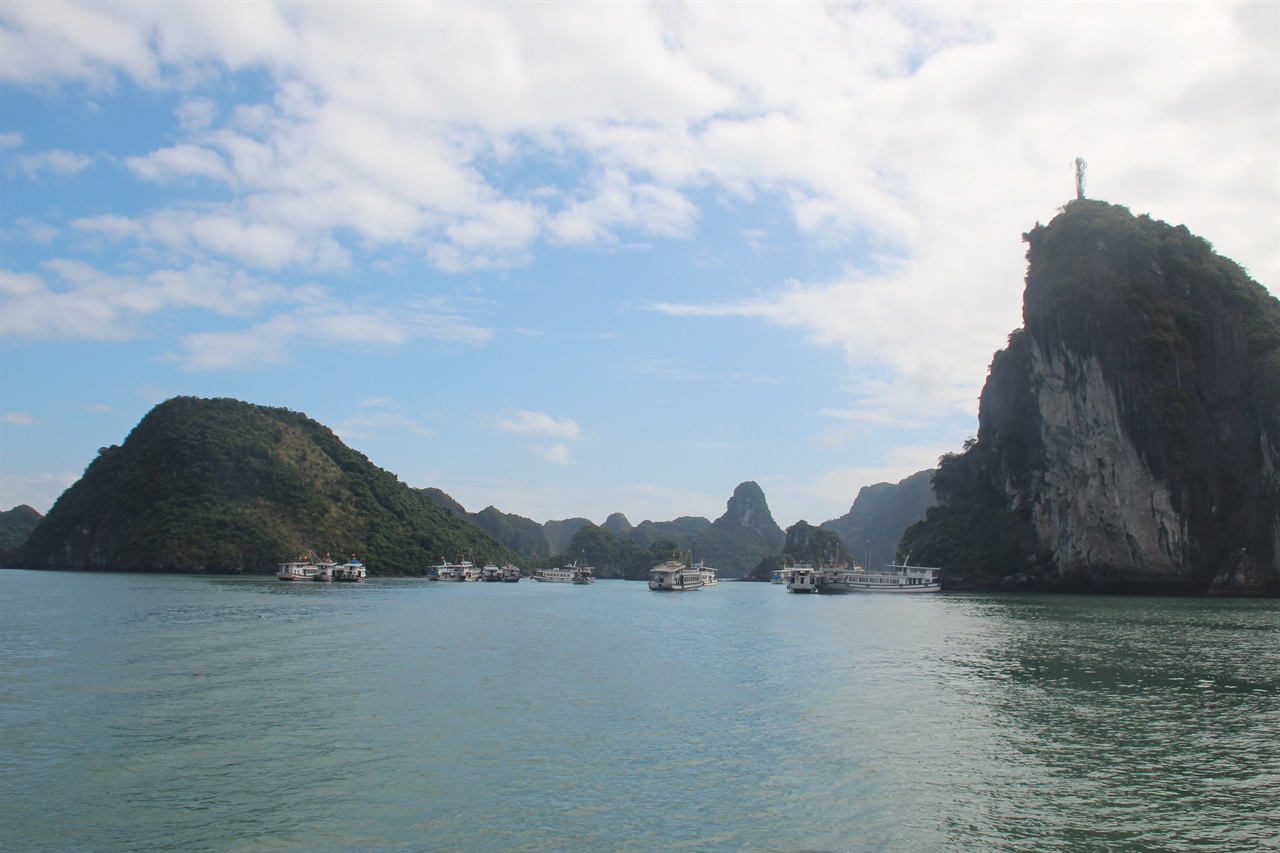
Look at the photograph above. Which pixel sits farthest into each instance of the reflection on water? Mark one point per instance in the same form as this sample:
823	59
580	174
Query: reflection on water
157	712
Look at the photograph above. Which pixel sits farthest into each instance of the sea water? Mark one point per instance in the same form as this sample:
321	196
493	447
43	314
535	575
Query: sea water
155	712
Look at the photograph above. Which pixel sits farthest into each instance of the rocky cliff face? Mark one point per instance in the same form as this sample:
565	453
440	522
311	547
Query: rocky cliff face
748	508
1129	435
873	526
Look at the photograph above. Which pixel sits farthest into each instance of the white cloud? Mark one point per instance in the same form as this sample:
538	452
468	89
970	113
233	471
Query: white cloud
356	425
536	423
10	139
98	408
55	162
284	338
556	454
180	161
85	303
922	127
89	304
18	419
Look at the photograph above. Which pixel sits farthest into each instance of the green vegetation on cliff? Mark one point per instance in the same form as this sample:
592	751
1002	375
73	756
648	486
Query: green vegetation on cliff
873	526
611	556
225	486
16	525
804	544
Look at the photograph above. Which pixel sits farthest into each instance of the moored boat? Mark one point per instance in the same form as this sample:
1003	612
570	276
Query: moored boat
899	578
804	578
572	573
834	578
445	571
708	574
296	570
675	576
352	571
324	570
511	574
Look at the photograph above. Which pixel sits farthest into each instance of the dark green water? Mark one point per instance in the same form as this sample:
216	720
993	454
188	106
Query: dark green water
184	713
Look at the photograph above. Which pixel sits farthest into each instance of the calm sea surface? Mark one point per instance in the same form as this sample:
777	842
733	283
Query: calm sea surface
143	712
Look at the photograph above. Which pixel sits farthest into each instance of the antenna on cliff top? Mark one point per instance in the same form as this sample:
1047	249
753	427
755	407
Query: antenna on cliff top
1080	167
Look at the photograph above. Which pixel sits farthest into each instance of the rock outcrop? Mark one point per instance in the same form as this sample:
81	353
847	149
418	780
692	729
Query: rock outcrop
748	508
873	526
1129	435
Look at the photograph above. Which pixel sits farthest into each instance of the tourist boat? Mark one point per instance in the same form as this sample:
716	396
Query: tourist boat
804	578
324	570
780	575
675	576
446	571
572	573
896	578
352	571
834	578
511	574
297	570
708	574
491	574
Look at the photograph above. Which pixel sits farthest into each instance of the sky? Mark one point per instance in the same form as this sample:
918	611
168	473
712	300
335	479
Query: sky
570	259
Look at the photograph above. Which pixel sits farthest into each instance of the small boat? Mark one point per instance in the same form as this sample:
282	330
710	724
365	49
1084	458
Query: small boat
834	578
572	573
352	571
708	574
900	578
511	574
780	575
297	570
804	578
324	570
674	576
446	571
491	574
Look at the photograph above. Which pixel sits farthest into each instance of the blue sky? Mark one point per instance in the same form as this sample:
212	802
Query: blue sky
574	259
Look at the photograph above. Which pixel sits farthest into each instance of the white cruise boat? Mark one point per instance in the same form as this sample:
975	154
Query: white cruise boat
446	571
834	579
324	570
804	578
675	576
780	575
297	570
352	571
491	574
569	574
708	574
511	574
902	578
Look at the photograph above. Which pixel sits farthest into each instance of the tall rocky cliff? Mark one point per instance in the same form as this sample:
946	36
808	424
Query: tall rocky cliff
748	508
1129	436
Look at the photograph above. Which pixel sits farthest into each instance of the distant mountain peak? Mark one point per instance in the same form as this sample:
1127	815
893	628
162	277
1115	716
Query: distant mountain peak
748	508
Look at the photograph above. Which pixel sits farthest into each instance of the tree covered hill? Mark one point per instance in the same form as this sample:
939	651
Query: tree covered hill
804	544
219	485
16	525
